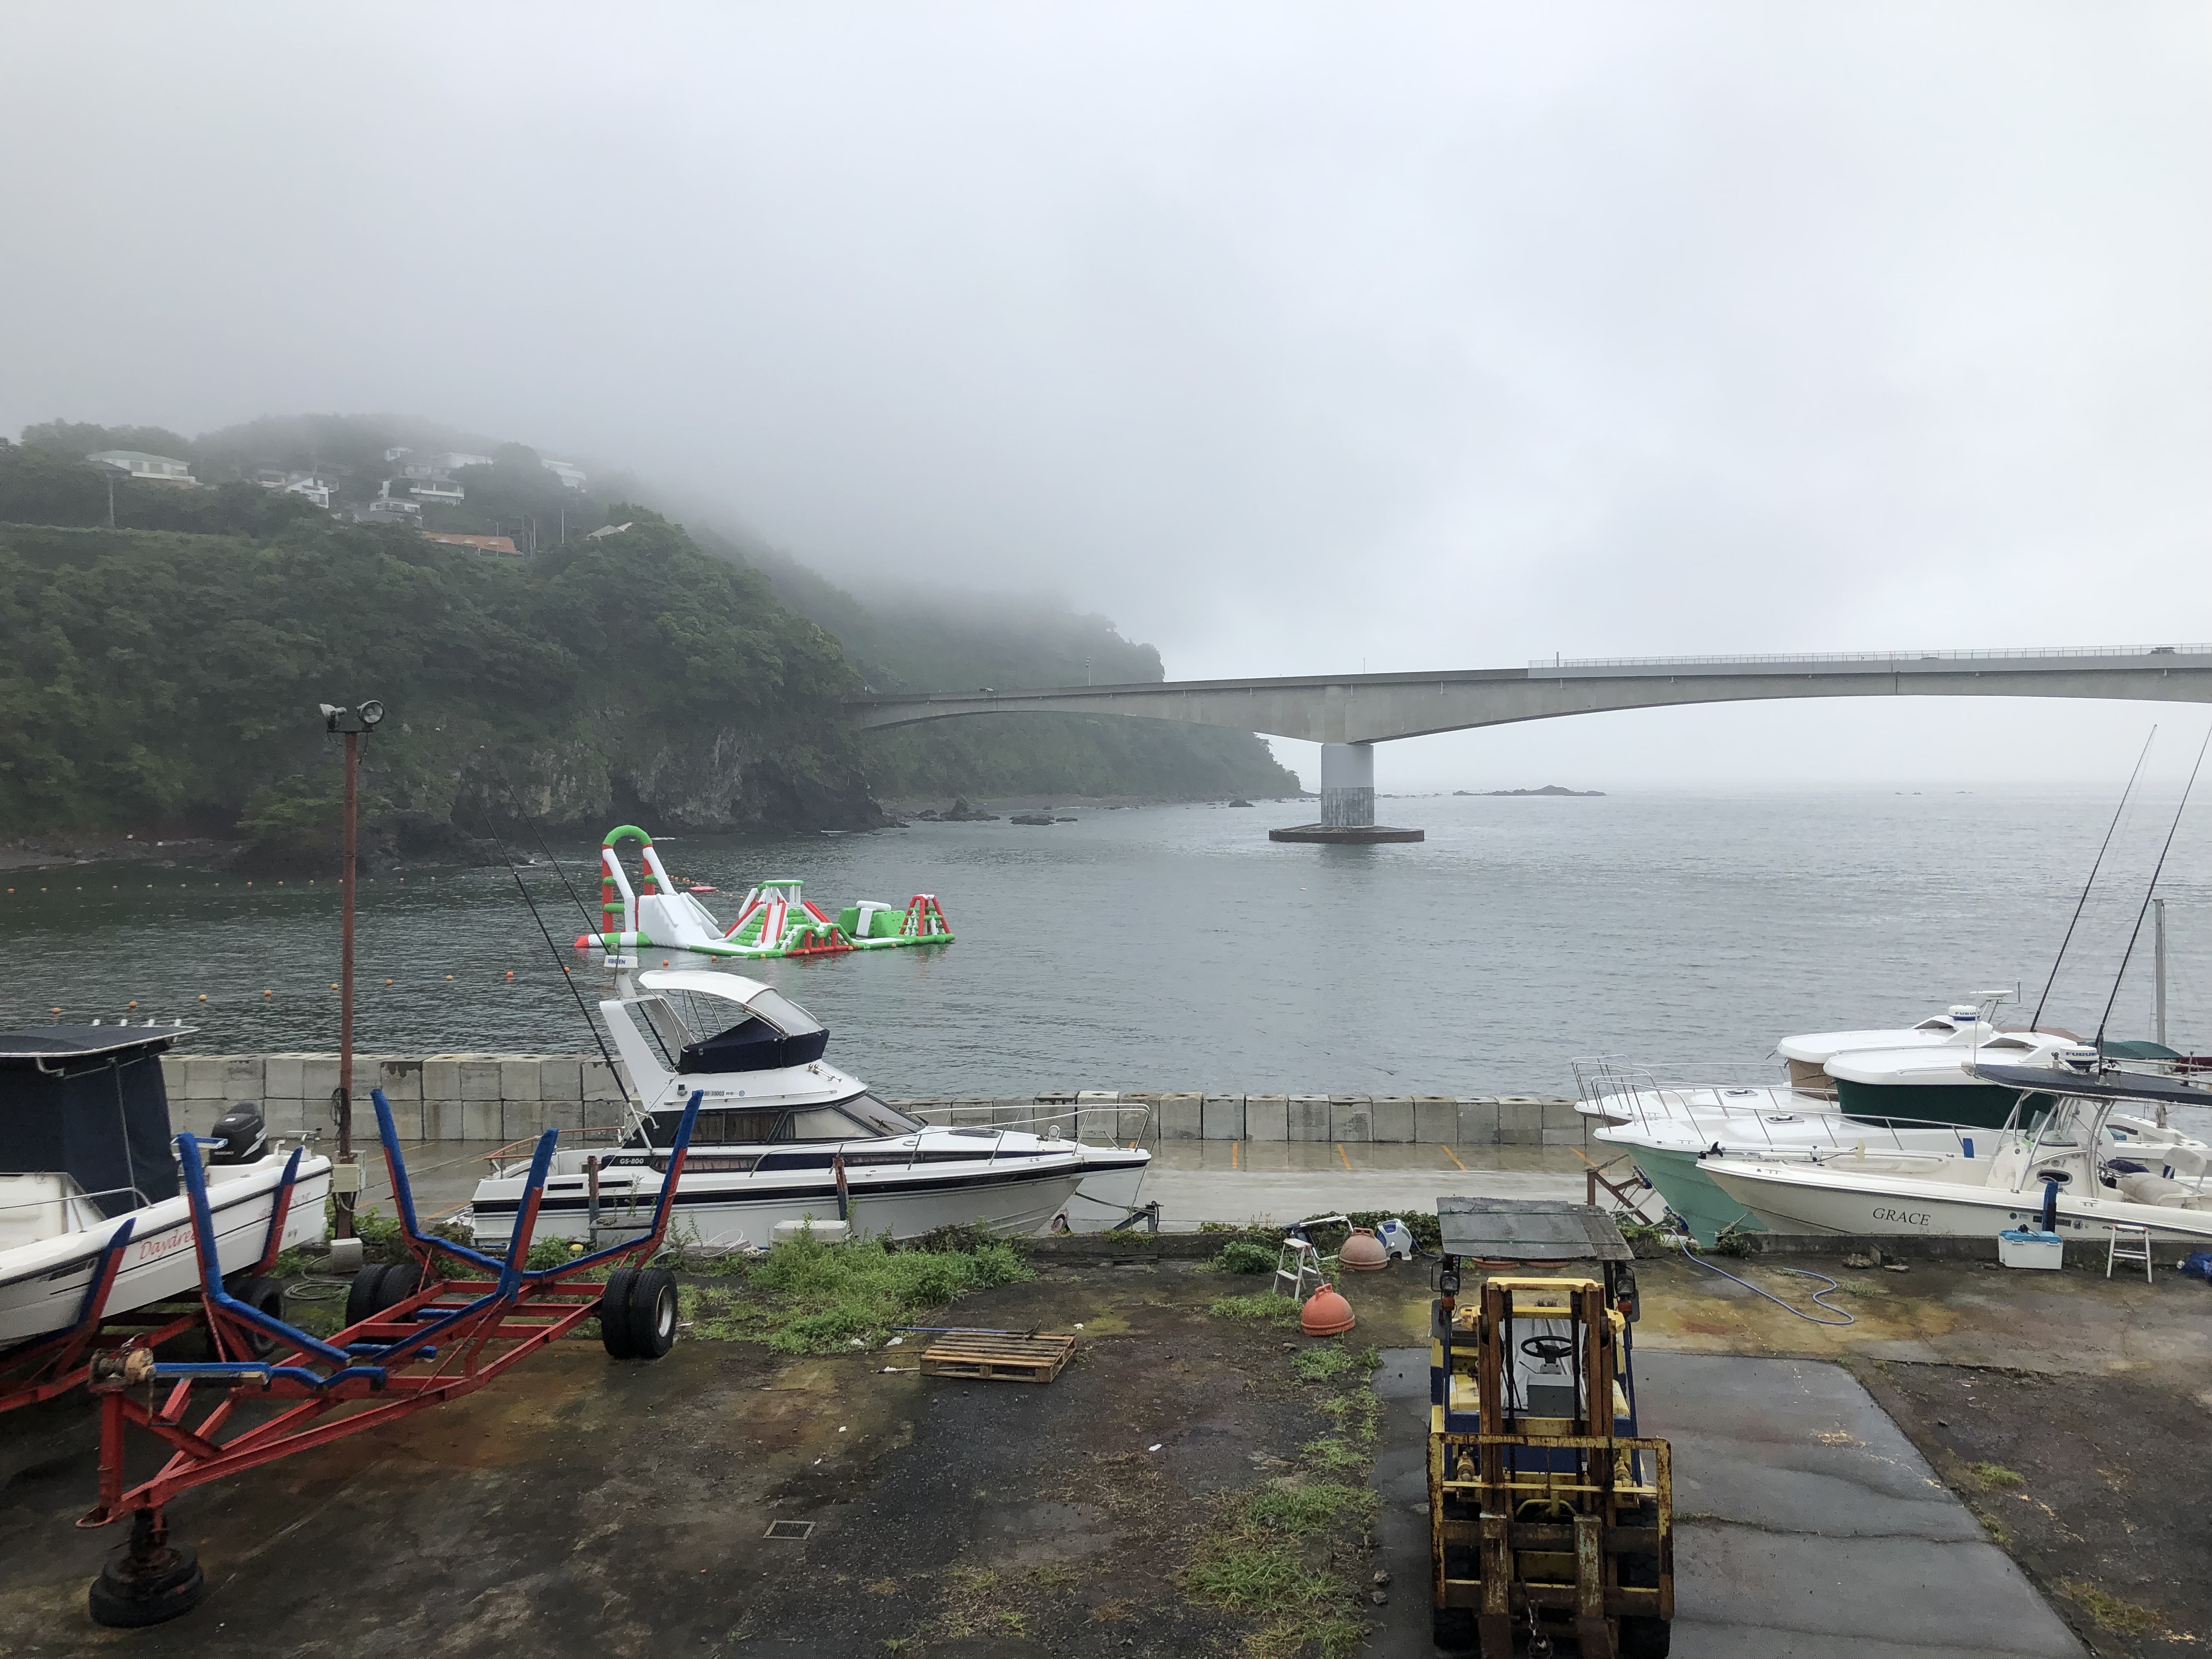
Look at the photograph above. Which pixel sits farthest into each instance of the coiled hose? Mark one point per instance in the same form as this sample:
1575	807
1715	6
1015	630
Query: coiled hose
1846	1318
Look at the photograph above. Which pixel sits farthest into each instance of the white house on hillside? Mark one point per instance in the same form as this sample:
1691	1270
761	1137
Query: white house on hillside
156	469
571	475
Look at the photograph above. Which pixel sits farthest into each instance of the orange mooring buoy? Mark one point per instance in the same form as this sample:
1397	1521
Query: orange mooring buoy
1326	1313
1363	1253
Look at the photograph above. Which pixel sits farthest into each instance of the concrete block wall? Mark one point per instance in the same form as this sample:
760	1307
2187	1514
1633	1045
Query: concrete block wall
503	1097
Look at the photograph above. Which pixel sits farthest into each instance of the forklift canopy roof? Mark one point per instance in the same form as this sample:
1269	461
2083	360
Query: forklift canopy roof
1529	1229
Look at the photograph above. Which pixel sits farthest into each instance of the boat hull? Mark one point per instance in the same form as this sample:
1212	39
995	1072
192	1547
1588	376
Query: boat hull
42	1285
1938	1210
1704	1208
721	1213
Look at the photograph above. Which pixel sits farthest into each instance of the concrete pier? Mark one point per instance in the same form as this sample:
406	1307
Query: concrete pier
502	1097
1347	802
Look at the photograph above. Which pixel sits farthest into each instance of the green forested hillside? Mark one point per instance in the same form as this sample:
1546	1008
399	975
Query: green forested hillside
152	680
164	673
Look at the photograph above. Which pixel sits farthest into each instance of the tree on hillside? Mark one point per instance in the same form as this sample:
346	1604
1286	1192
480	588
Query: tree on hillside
78	438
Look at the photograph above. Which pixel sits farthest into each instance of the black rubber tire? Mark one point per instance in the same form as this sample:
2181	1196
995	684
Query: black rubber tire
653	1310
401	1280
1452	1628
264	1296
123	1601
614	1314
360	1295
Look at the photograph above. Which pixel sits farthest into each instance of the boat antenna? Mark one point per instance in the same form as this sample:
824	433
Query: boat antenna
554	950
590	927
2144	909
2035	1022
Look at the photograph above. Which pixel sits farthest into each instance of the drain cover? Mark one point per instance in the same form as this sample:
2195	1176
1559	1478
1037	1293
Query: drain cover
789	1529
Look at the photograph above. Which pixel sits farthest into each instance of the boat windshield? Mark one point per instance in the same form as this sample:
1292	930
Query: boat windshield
781	1011
863	1117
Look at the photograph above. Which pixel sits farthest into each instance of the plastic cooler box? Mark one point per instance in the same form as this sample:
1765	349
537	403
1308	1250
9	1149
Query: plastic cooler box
2030	1246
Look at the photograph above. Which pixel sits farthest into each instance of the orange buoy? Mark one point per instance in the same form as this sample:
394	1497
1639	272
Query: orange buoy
1326	1313
510	973
1363	1253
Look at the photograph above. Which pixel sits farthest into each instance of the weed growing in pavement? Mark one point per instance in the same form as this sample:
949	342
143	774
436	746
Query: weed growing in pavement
806	1296
2124	1618
1996	1475
1331	1360
1299	1507
1267	1307
974	1605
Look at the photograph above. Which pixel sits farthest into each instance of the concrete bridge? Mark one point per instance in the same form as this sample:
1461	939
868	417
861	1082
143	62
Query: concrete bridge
1348	714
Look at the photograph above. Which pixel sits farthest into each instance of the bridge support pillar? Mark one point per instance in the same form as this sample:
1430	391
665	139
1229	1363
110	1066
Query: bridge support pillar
1347	801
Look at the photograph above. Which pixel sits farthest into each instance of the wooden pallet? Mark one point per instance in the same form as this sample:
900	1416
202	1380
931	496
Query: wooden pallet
998	1358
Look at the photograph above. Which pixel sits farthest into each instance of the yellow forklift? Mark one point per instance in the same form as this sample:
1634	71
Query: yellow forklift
1548	1515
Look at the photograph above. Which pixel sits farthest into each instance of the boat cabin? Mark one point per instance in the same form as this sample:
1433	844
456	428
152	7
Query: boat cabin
84	1127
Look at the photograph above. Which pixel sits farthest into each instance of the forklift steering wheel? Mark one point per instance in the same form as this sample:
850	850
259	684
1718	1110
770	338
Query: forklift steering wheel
1548	1348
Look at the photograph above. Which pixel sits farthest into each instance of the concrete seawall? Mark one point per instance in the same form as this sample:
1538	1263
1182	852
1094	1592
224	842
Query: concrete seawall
506	1097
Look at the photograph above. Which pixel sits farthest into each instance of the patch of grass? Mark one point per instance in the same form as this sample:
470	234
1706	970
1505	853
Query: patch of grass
975	1604
1241	1256
1299	1507
1330	1360
1995	1476
1267	1307
2000	1534
1052	1574
1334	1455
2124	1618
1863	1287
1261	1577
807	1296
883	1587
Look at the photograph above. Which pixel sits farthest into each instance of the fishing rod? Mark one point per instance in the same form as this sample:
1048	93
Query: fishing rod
2036	1022
553	949
2144	909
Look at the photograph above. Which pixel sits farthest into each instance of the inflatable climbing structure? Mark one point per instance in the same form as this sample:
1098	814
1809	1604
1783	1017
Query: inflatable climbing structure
776	919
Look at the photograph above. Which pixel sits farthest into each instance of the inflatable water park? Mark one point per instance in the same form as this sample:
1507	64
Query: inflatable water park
776	919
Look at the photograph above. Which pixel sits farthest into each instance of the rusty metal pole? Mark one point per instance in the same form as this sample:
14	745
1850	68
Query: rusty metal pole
345	1200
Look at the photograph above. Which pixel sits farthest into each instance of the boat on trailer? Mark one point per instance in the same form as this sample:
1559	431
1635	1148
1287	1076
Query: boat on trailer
782	1135
91	1207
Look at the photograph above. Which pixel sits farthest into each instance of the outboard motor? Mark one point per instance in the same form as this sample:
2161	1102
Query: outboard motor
244	1136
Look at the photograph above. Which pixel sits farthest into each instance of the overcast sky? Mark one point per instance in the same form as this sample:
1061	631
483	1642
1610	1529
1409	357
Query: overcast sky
1296	338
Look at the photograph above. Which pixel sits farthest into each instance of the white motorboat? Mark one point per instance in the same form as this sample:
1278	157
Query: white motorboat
86	1155
2077	1160
784	1136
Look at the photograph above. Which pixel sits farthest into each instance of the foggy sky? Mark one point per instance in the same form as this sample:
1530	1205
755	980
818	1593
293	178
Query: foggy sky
1296	338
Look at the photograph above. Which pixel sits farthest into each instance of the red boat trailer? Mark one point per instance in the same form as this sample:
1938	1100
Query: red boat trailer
425	1339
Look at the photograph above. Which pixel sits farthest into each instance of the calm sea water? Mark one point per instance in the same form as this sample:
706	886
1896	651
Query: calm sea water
1176	948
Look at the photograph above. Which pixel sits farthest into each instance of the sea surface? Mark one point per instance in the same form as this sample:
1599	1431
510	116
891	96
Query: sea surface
1176	948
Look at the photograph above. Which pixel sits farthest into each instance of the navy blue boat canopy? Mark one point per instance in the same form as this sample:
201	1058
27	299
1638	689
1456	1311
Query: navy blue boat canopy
88	1101
752	1045
2096	1085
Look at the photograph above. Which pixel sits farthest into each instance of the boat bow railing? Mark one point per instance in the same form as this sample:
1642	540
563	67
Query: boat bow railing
1107	1124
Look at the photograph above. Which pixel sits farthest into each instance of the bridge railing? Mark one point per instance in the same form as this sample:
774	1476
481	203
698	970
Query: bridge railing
2057	656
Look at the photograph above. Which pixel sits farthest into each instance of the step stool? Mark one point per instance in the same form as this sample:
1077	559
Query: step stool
2130	1242
1299	1268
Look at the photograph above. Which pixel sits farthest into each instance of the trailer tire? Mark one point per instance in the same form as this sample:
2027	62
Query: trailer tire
360	1295
123	1601
651	1309
401	1280
263	1296
614	1314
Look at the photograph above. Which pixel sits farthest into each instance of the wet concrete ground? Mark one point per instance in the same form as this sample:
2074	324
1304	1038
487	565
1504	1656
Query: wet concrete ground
586	1507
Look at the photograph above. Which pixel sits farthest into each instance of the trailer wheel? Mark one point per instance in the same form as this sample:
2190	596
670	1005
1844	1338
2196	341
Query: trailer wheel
401	1280
263	1296
146	1588
614	1314
651	1310
360	1295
